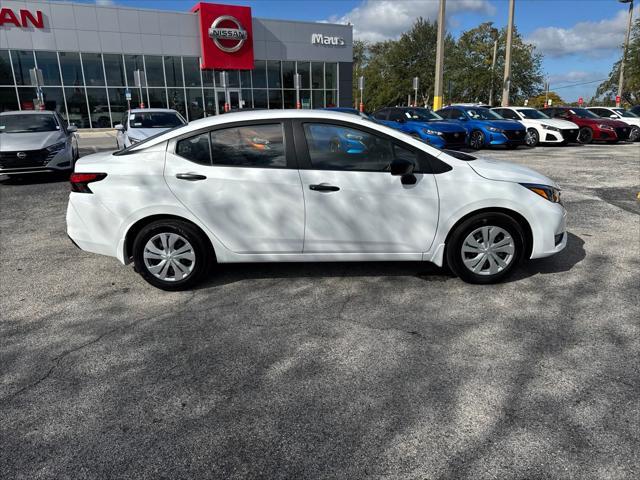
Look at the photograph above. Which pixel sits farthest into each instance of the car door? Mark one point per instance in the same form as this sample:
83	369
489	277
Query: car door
242	182
352	202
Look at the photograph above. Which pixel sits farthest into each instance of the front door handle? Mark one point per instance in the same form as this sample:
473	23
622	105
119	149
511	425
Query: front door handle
324	187
192	177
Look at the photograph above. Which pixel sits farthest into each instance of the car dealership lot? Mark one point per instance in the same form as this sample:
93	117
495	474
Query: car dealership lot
327	370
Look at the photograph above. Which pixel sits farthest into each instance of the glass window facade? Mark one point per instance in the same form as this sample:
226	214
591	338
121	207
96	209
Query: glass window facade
89	89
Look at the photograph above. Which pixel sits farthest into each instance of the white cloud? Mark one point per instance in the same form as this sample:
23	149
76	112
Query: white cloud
590	38
376	20
104	3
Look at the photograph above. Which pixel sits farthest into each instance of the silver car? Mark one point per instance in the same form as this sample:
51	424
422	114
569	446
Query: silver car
141	123
36	141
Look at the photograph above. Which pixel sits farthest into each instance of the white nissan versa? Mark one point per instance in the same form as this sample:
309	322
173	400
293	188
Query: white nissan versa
307	186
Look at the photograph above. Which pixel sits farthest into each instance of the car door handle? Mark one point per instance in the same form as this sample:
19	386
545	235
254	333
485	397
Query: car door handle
192	177
324	187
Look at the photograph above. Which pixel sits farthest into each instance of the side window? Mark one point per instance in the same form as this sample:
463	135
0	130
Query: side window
195	149
456	114
381	114
250	146
562	113
551	112
335	147
444	113
506	113
397	116
601	112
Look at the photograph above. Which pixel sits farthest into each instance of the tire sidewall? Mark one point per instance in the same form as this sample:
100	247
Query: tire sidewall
454	246
482	140
585	129
193	236
534	135
635	134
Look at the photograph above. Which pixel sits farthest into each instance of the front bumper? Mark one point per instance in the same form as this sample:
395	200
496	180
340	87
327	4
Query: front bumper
550	235
36	161
516	138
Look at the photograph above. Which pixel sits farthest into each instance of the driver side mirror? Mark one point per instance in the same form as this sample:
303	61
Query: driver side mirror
463	118
119	127
613	115
401	167
72	128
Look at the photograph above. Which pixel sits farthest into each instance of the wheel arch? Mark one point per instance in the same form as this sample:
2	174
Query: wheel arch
136	227
518	217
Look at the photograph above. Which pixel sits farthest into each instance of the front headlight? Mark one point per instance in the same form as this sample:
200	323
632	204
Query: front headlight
605	127
56	147
545	191
549	127
431	132
494	129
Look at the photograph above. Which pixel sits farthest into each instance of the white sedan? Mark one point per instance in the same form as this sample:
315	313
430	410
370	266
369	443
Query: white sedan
540	127
141	123
623	115
307	186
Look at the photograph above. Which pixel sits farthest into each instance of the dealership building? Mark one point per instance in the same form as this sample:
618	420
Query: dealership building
91	63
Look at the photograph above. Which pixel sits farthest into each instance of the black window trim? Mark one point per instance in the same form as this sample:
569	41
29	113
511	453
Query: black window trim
289	151
434	165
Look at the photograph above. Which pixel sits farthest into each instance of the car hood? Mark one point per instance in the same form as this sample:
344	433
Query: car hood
11	142
142	133
554	122
508	172
440	126
504	124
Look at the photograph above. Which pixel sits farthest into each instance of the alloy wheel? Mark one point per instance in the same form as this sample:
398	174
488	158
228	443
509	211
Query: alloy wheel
488	250
169	257
531	138
585	135
476	140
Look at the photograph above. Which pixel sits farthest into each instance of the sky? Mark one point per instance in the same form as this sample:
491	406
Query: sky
580	39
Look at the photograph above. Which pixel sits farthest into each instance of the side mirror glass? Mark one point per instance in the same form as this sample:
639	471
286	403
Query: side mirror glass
72	128
613	115
401	167
119	127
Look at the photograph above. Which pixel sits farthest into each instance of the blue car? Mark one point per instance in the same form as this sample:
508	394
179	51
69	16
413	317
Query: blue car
424	124
485	127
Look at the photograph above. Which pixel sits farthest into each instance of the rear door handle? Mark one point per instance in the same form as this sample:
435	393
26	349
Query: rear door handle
324	187
192	177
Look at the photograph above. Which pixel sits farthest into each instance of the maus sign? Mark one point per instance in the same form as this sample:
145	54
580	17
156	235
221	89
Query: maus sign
320	39
226	37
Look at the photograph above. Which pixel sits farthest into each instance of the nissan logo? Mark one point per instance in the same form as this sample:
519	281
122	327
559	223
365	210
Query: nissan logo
21	155
237	34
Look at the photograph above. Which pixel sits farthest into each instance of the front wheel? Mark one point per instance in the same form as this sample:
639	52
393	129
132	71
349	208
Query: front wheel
532	138
634	136
476	141
171	254
485	248
585	135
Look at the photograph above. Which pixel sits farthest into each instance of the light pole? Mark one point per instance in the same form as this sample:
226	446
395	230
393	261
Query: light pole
493	68
437	97
624	53
507	57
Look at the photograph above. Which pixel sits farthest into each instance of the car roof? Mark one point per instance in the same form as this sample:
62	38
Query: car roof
28	112
152	110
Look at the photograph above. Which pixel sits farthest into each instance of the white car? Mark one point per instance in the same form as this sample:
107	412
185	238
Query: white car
141	123
540	127
307	186
623	115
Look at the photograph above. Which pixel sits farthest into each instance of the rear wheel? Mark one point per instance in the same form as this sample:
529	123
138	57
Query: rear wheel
485	248
634	136
171	254
585	135
476	141
532	138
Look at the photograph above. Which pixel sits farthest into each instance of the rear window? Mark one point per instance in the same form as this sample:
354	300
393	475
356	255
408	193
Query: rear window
154	120
28	123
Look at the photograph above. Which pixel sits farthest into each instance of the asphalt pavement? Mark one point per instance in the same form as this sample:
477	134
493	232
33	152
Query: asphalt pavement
332	371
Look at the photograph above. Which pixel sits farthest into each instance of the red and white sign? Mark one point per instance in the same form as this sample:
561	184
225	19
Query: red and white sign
580	101
24	18
226	36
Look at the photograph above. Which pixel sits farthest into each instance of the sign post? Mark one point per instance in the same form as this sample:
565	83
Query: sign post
139	81
580	101
361	88
416	83
127	96
224	81
297	80
37	81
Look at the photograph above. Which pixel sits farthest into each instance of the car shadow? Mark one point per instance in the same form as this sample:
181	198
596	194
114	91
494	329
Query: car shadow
226	274
35	178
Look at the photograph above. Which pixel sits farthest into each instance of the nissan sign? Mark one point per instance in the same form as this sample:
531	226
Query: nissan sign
320	39
230	38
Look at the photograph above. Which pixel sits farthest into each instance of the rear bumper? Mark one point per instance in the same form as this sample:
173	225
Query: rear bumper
90	226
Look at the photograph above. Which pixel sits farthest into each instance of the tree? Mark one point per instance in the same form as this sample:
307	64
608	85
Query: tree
538	100
470	68
608	90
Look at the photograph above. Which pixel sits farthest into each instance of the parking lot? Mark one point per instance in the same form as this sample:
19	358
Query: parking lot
394	370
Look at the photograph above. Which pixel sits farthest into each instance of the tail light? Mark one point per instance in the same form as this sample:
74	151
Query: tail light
80	181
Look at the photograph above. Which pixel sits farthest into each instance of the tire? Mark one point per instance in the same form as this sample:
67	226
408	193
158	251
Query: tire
482	227
182	272
634	136
532	138
476	140
585	135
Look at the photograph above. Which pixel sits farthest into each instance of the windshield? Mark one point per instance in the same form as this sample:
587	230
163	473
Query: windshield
625	113
532	114
479	113
422	115
583	113
154	120
28	123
